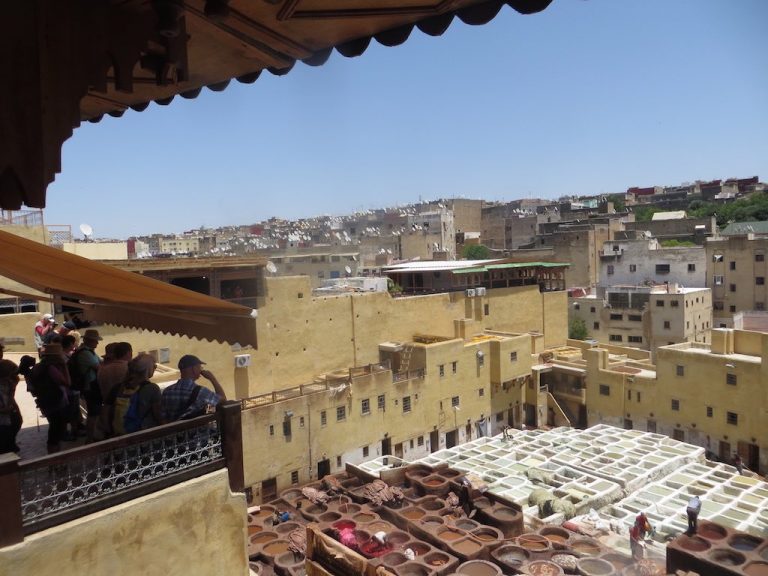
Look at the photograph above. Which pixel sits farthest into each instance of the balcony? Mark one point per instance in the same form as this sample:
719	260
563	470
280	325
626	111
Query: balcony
44	492
407	375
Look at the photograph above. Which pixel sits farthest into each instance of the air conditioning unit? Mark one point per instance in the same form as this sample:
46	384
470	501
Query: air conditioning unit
242	360
470	292
480	291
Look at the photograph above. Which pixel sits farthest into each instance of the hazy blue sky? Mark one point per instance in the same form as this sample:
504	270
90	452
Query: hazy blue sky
586	97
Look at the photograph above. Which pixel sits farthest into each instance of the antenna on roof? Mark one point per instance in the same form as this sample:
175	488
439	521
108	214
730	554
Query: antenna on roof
271	268
87	230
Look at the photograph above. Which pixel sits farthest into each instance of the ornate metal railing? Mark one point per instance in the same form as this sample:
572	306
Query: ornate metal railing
53	489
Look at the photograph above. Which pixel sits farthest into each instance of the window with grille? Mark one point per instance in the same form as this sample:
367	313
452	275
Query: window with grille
605	390
323	418
365	406
732	418
730	379
710	411
454	401
341	413
454	367
441	370
365	451
295	477
406	403
381	402
676	405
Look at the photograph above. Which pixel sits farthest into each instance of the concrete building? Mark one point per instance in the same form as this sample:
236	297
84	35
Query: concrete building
695	230
646	316
645	261
736	273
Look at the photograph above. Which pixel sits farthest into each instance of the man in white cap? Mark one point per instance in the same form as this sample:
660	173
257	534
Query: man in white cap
43	328
186	399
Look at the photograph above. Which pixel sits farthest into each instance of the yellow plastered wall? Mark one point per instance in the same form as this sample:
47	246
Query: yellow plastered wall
196	527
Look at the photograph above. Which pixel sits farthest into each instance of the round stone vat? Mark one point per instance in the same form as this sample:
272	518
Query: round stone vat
449	534
412	513
756	569
418	548
432	521
275	548
619	561
397	538
595	567
345	507
286	527
511	555
378	526
365	517
432	504
262	538
744	542
263	513
544	568
254	528
344	524
436	560
558	536
329	517
413	569
289	560
478	568
711	531
727	557
487	534
585	547
466	524
466	548
534	542
693	543
394	559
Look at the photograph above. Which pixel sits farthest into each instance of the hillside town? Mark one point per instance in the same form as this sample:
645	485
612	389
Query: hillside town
456	386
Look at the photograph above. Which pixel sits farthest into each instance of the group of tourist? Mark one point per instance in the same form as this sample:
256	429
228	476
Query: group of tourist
114	392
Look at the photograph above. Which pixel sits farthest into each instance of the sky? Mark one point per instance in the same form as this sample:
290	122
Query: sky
586	97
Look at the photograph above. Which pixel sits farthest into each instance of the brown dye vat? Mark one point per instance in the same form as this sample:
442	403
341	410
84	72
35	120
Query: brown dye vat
756	569
693	543
482	502
433	481
394	559
511	555
467	547
418	548
329	517
436	559
432	520
486	534
558	536
727	557
264	512
586	547
289	559
432	504
504	513
544	568
378	526
263	538
449	535
254	529
744	542
364	517
413	569
619	562
412	513
711	531
595	567
286	527
533	542
314	509
478	568
466	524
397	538
346	507
275	548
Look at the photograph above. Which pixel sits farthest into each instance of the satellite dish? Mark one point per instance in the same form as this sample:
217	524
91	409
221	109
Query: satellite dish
347	269
271	268
87	230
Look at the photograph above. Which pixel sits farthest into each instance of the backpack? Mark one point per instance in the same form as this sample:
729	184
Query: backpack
122	403
76	377
48	395
132	418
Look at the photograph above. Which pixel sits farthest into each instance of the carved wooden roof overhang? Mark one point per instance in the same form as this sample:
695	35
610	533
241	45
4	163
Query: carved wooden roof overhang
66	61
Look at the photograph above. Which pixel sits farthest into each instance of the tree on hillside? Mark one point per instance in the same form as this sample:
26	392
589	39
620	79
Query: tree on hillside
645	213
577	329
475	252
618	202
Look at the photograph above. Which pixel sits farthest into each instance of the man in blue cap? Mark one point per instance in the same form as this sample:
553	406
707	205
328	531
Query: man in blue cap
186	399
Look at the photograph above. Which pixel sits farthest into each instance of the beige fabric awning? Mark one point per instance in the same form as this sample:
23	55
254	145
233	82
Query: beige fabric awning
113	296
